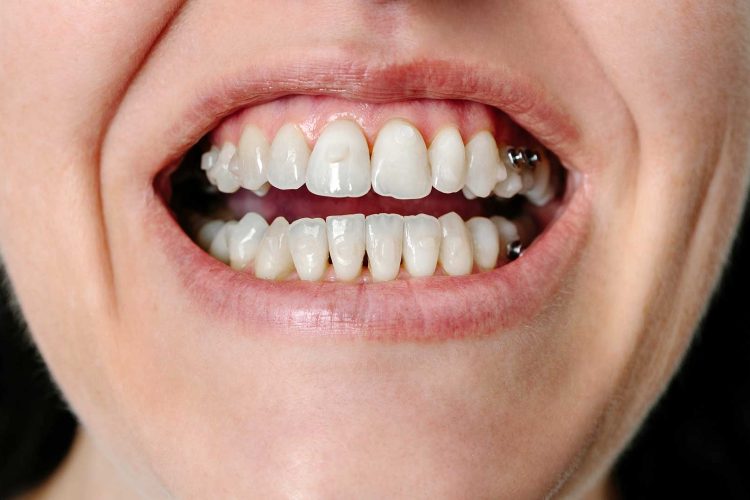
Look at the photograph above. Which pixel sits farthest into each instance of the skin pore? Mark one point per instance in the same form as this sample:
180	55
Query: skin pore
176	399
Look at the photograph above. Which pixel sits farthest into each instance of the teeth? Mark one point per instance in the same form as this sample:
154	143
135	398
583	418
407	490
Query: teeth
484	166
263	190
468	194
542	190
422	235
486	242
219	248
253	157
507	233
274	260
346	242
510	187
289	156
245	239
208	159
447	156
207	233
340	162
455	248
400	168
224	172
308	244
384	242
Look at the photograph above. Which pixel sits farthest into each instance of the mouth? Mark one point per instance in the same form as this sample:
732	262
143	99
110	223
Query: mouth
406	217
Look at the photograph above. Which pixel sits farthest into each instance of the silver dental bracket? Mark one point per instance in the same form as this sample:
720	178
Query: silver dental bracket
518	158
514	250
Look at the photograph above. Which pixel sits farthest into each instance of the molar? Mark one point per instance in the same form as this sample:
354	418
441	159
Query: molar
274	260
223	174
309	246
484	166
400	168
447	156
289	156
486	242
543	190
422	235
456	255
339	165
384	241
346	243
245	239
253	158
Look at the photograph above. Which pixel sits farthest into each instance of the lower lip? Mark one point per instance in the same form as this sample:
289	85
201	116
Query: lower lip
429	309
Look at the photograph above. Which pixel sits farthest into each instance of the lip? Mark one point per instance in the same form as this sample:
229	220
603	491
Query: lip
435	308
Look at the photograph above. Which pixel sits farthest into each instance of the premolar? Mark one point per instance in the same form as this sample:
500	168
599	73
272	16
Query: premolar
486	242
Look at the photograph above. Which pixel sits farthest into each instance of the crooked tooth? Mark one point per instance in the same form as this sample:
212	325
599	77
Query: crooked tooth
484	166
308	244
339	165
456	256
542	191
422	235
346	243
507	233
400	168
447	156
207	232
274	260
290	153
486	242
219	248
245	239
384	242
253	158
223	174
510	187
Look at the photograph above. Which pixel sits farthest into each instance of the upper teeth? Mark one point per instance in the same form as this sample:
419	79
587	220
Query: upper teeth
402	165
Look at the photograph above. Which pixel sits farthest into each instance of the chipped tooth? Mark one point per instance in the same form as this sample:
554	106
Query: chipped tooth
253	157
245	239
262	191
422	235
219	248
486	242
447	156
456	255
289	156
308	244
223	174
346	243
510	187
400	168
507	231
384	241
484	166
339	165
274	260
207	232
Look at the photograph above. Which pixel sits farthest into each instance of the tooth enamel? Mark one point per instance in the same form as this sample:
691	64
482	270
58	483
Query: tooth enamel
422	235
456	255
346	243
542	190
484	166
468	194
486	242
224	174
253	157
245	239
263	190
339	165
510	187
207	233
507	232
208	159
384	241
309	246
274	260
289	156
447	156
400	168
219	248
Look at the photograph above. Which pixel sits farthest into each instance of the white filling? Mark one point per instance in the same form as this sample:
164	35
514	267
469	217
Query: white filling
340	162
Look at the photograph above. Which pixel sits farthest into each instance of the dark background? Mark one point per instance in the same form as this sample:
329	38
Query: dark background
693	445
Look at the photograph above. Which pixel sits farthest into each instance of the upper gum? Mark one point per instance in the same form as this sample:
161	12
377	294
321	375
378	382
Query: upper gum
312	113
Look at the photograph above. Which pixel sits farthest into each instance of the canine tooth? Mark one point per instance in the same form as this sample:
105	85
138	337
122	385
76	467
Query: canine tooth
245	239
339	165
224	173
448	161
346	243
486	242
208	159
289	156
384	241
207	232
274	260
541	192
484	166
456	255
253	154
309	246
400	168
422	235
507	232
510	187
219	248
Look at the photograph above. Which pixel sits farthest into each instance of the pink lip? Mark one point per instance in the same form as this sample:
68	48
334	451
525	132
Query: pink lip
435	308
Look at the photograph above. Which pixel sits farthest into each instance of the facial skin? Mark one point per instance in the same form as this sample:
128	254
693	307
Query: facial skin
174	401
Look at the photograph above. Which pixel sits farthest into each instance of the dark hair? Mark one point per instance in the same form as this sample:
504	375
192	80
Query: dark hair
692	445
